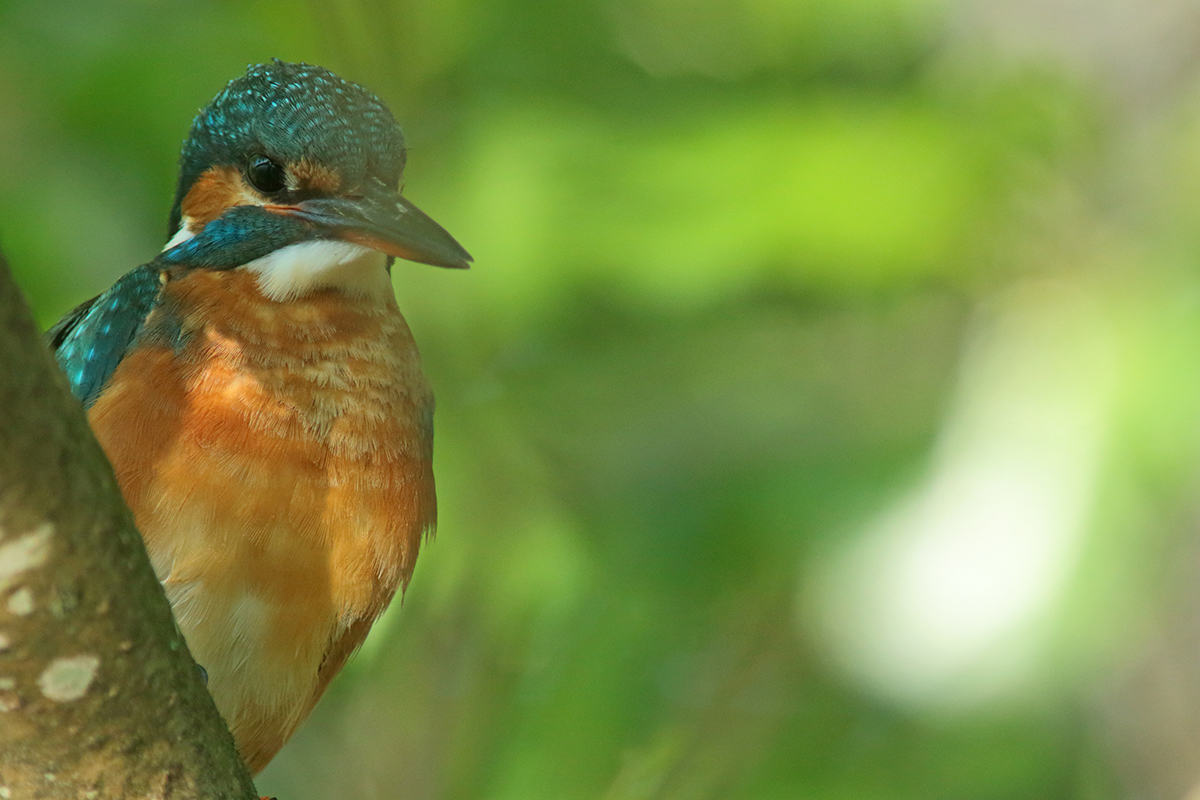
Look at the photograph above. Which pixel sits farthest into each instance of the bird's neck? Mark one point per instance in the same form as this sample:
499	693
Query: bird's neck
235	301
320	357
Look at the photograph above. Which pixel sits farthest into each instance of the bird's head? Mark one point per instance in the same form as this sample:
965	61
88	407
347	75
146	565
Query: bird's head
294	173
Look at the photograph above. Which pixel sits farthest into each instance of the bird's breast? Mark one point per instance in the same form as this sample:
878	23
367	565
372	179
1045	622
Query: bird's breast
277	459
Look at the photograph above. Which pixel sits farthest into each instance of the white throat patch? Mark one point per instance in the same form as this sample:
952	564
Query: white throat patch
300	268
304	267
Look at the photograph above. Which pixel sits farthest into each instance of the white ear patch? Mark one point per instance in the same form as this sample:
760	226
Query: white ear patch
304	267
182	235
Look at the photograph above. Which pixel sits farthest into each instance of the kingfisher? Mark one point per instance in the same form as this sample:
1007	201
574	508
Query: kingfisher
260	395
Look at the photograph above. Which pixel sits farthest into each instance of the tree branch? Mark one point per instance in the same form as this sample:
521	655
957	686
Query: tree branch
99	696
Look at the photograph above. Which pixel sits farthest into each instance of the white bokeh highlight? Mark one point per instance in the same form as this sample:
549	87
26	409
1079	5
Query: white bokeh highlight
945	600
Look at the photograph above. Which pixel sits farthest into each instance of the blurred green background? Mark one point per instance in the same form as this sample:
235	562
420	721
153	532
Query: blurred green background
821	418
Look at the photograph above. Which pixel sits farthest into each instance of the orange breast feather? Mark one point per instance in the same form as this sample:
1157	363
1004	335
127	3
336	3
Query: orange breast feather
277	458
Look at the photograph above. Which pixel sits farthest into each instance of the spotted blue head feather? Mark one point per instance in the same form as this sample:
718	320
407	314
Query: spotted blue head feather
290	112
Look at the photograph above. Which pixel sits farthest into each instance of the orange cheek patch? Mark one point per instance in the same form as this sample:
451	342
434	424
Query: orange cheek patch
213	192
316	177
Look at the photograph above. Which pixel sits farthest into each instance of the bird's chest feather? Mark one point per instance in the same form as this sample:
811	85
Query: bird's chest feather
277	458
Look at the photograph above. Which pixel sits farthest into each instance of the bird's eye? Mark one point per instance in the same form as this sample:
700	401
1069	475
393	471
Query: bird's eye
265	175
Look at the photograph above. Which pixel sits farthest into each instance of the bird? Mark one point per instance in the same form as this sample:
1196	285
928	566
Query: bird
260	396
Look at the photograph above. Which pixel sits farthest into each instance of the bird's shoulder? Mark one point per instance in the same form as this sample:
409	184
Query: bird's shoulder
90	341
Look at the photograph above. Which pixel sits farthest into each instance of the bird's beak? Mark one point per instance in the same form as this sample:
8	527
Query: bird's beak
382	220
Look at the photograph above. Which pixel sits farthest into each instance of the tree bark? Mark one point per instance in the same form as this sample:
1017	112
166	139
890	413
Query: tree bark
99	697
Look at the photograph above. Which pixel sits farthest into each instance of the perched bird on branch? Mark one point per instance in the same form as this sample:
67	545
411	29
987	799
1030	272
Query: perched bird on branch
260	395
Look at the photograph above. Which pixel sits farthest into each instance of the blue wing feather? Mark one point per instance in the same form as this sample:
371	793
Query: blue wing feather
90	341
